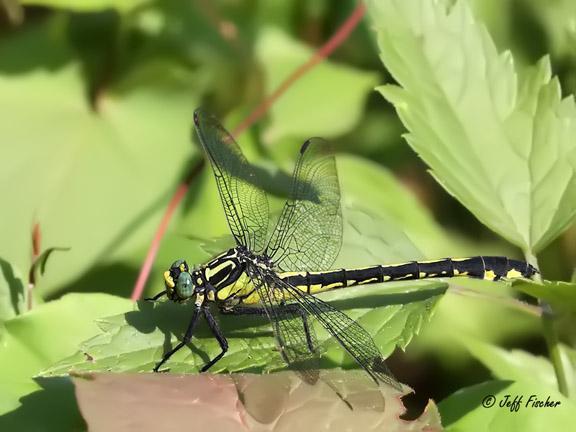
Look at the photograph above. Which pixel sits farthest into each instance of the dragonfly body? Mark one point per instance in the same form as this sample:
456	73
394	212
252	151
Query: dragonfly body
276	274
481	267
226	277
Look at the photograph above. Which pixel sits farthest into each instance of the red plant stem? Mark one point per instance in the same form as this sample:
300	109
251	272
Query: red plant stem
324	51
155	245
36	248
36	240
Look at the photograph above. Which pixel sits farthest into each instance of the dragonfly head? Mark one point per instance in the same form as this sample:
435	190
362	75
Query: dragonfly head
178	281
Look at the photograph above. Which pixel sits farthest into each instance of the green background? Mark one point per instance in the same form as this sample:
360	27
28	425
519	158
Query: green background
454	136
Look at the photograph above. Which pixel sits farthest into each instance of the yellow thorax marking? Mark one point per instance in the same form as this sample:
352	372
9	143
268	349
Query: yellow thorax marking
242	286
212	271
252	298
169	281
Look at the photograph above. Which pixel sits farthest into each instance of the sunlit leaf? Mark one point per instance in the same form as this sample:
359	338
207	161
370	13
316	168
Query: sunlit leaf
464	409
34	340
562	295
499	141
485	310
86	175
12	292
513	365
88	5
519	365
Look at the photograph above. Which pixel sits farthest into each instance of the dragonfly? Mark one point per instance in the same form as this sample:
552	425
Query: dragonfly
276	274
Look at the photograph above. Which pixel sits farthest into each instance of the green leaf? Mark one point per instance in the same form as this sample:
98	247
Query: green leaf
481	309
557	21
500	142
519	365
513	365
562	295
12	292
86	175
334	93
392	313
88	5
36	339
410	232
464	410
135	341
545	26
41	261
215	245
375	191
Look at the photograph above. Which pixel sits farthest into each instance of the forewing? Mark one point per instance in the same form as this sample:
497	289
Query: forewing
347	332
245	205
299	350
308	234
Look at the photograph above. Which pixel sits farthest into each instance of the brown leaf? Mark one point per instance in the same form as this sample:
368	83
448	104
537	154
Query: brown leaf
340	401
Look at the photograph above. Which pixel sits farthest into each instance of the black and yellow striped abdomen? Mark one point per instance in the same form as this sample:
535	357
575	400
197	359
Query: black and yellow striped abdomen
480	267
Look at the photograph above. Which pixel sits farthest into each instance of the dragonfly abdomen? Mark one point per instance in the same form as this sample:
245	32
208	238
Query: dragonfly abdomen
479	267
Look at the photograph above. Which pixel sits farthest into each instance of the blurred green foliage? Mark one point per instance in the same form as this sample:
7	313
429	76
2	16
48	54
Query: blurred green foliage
95	119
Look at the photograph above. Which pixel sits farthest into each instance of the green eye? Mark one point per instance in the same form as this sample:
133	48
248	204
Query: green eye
184	285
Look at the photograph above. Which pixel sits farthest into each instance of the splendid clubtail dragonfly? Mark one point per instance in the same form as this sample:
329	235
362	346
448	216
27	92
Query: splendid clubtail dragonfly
277	275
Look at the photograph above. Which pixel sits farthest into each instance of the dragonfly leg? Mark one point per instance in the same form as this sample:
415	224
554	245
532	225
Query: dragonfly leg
239	310
286	311
295	308
156	297
185	339
304	316
219	336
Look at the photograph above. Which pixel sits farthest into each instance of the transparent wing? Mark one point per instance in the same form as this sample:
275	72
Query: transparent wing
295	337
347	332
308	234
245	205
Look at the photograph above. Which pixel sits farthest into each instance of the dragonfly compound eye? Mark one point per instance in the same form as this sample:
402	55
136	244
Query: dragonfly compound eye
184	286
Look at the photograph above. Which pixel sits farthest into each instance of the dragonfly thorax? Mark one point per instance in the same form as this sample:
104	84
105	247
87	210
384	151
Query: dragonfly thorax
219	275
246	255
